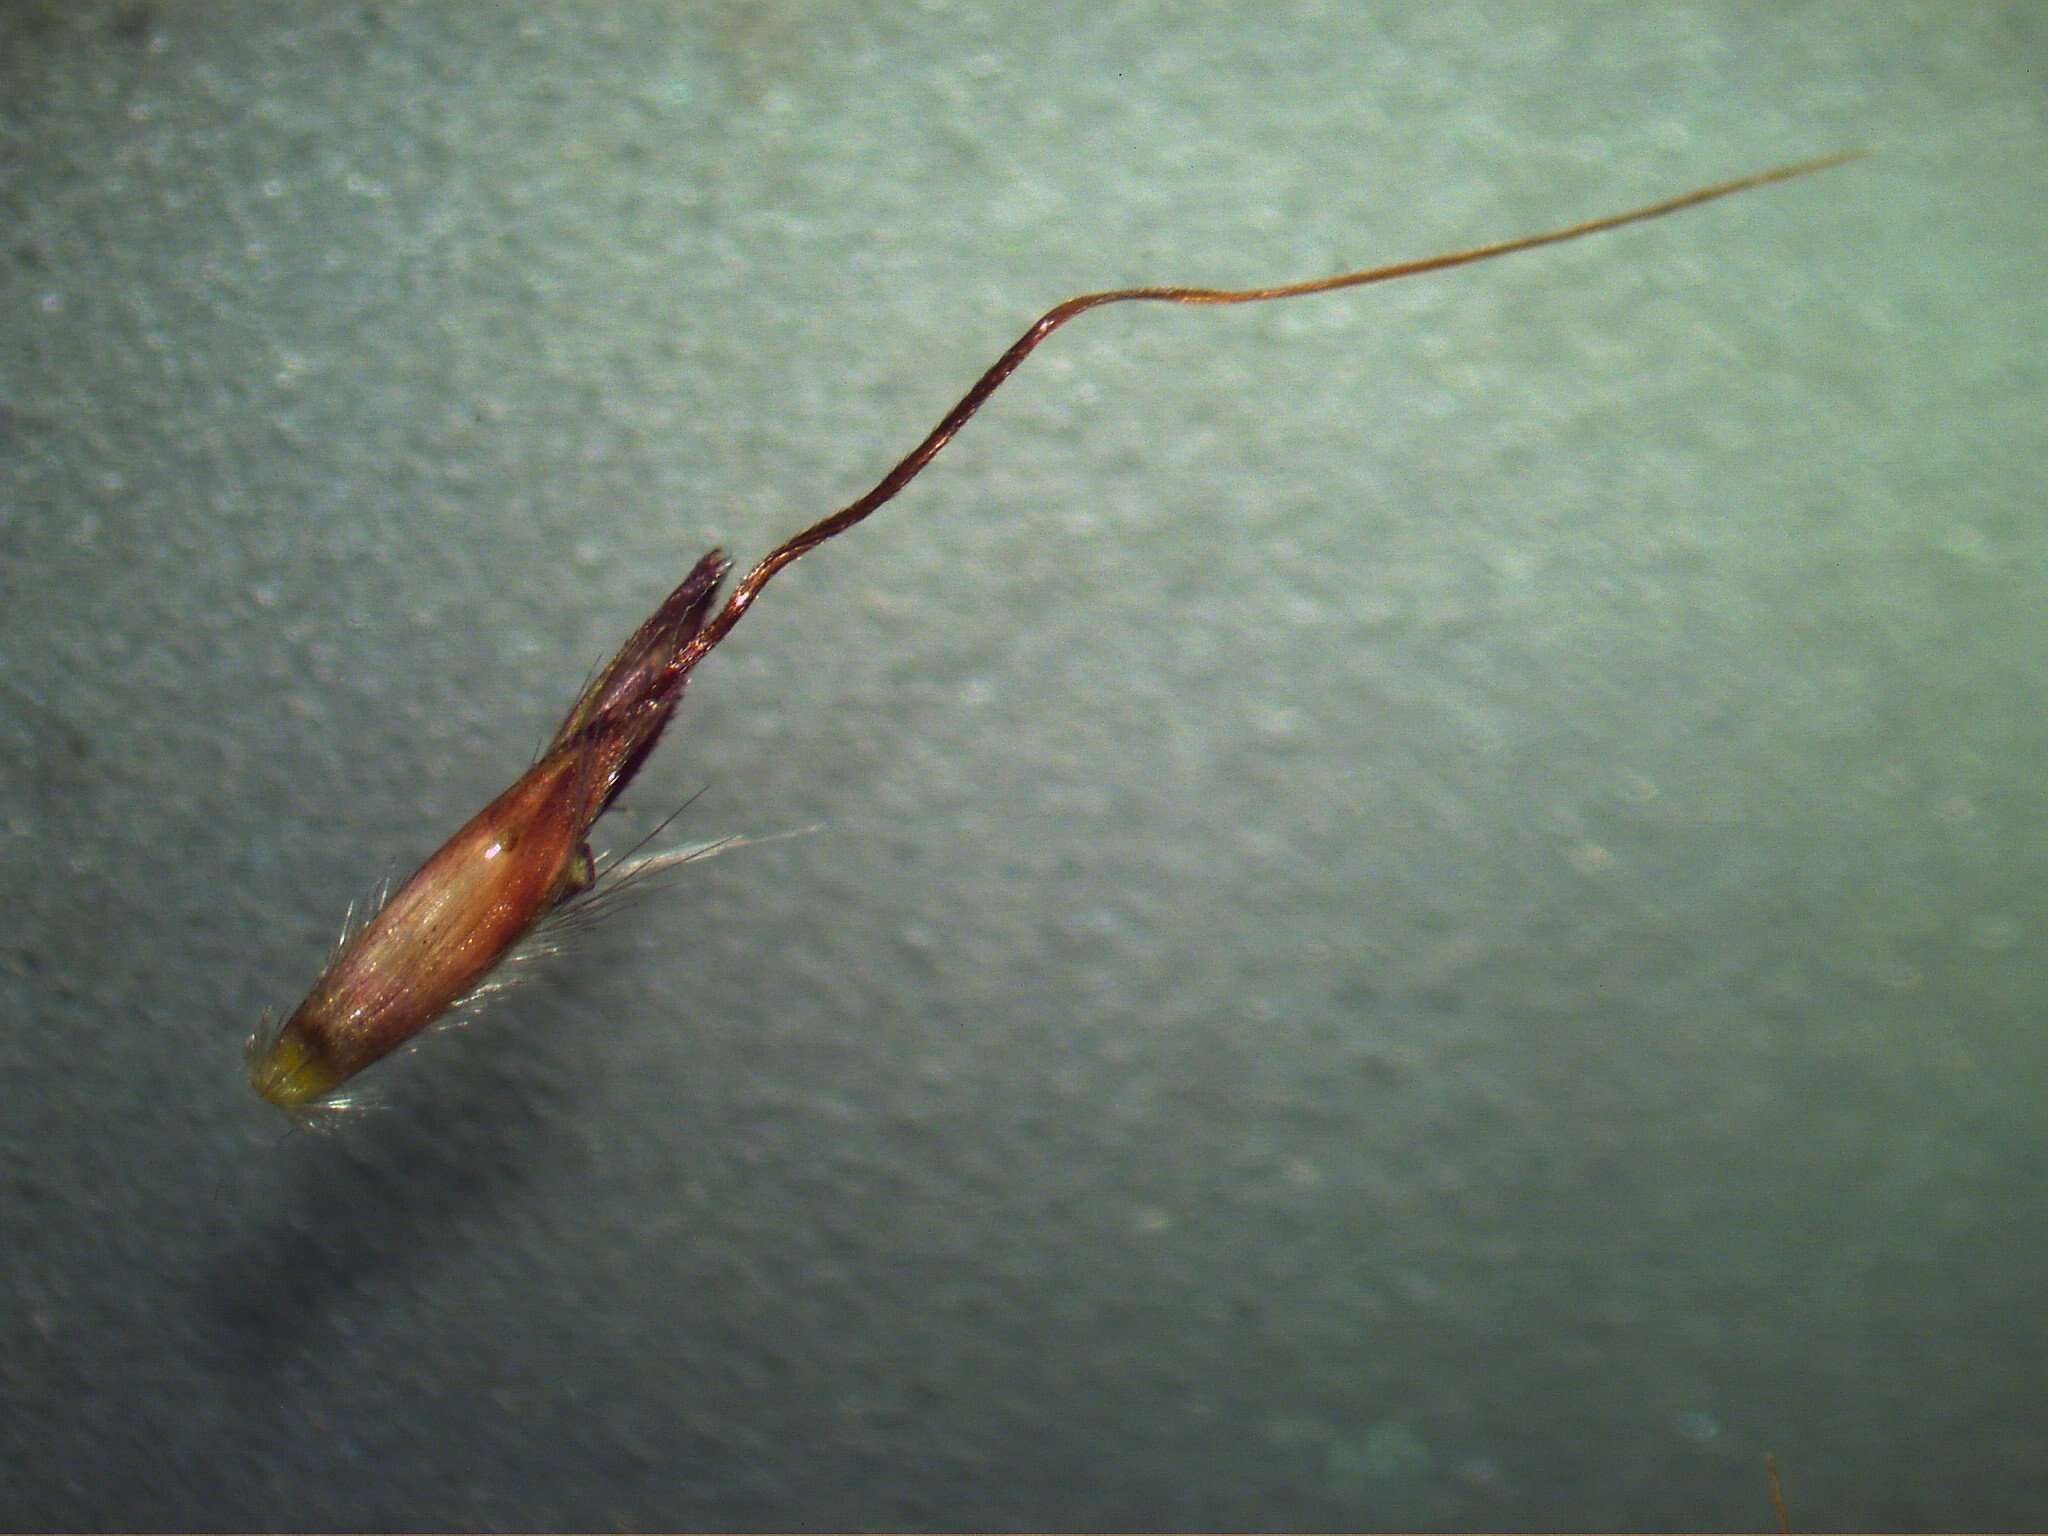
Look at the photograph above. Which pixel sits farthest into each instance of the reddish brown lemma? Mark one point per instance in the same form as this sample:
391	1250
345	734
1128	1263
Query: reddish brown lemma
517	860
526	854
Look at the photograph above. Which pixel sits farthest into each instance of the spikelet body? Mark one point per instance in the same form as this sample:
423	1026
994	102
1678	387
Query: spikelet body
437	940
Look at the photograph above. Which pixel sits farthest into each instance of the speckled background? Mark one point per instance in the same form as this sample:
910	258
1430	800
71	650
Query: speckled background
1426	907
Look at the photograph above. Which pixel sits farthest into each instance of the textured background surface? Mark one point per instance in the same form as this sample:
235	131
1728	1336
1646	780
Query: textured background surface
1428	904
